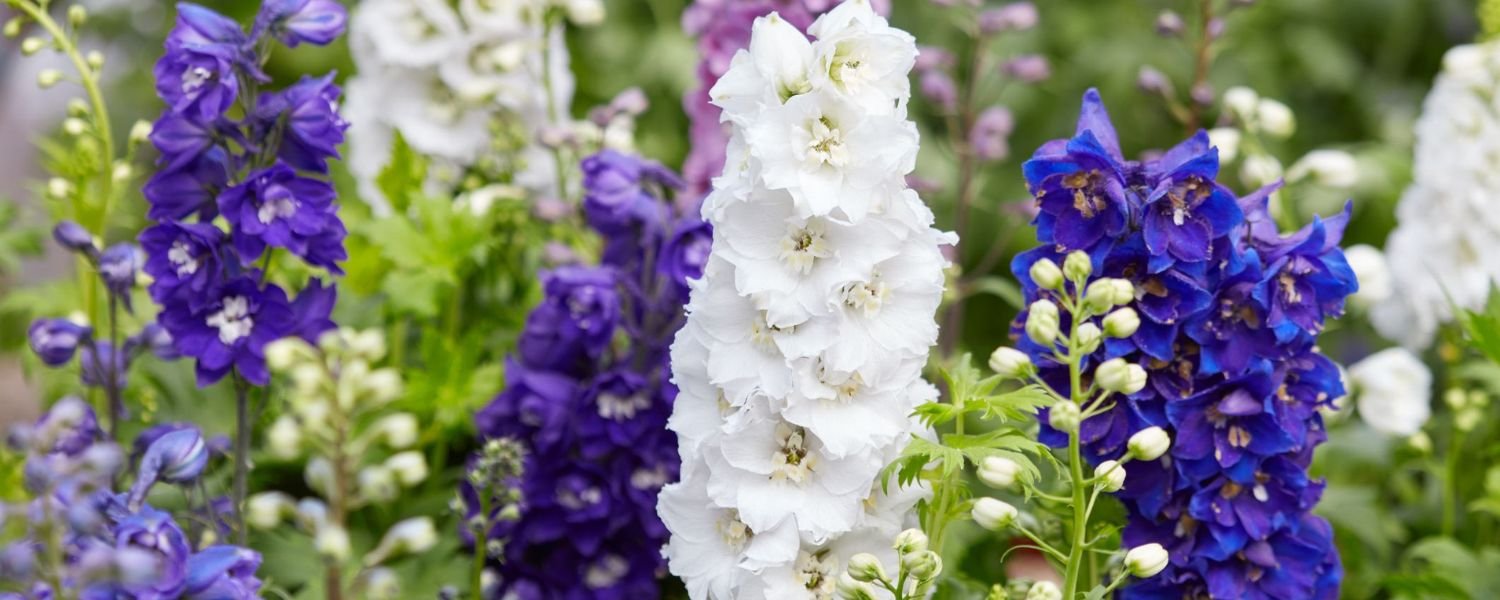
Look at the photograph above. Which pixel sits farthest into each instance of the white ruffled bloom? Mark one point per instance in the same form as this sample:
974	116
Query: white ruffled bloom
801	360
1445	250
444	78
1393	391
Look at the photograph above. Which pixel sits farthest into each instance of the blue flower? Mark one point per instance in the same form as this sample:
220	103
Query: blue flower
294	22
1306	278
176	457
230	329
183	260
308	120
98	361
277	207
154	532
223	573
73	236
119	266
1079	184
178	192
1187	210
55	341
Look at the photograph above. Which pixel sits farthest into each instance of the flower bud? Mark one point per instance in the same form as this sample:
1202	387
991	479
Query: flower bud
1468	419
1149	443
1078	266
265	510
1146	560
848	588
1122	323
1088	338
285	352
13	26
1275	118
1064	416
411	536
377	484
284	438
866	567
1328	168
1152	81
74	126
383	385
77	15
999	472
398	430
1420	442
30	46
1028	68
910	540
1116	375
1011	363
1042	322
119	266
59	188
1046	274
48	78
382	584
585	12
319	475
1260	169
1105	293
1241	101
993	514
1044	590
1227	140
409	467
332	542
922	566
1169	24
73	236
1111	476
55	341
1017	16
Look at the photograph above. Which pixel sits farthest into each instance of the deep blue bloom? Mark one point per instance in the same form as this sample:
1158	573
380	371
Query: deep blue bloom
277	207
294	22
223	573
197	84
310	125
1230	311
575	321
183	260
176	193
55	341
71	425
230	329
154	531
74	237
119	267
313	311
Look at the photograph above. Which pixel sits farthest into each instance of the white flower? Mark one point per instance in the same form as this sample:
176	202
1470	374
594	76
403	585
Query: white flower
710	544
814	573
408	33
1242	102
1370	269
865	59
777	66
1328	168
1394	391
829	154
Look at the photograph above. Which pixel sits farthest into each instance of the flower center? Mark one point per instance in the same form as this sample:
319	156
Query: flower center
803	246
277	204
233	320
572	500
734	531
1288	283
817	572
1086	199
867	297
763	334
181	256
606	572
826	144
791	461
1184	197
649	479
194	79
620	408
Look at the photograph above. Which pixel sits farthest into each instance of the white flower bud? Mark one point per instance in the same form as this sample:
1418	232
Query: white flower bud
377	484
848	588
993	514
74	127
1042	322
382	584
922	566
285	352
1275	118
1044	590
1116	375
1046	274
411	536
95	59
1088	338
1077	266
332	542
319	475
1373	273
1149	443
1122	323
910	540
77	15
585	12
13	26
1146	560
1111	476
1011	363
999	472
30	46
1241	101
48	78
59	188
370	344
1064	416
1227	140
1259	170
866	567
140	132
383	385
410	467
1327	168
265	510
399	430
1105	293
284	438
122	172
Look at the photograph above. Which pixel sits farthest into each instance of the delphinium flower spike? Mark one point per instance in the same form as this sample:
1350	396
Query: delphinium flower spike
800	362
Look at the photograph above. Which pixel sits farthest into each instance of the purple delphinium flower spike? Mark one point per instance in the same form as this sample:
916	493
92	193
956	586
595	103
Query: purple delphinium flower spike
294	22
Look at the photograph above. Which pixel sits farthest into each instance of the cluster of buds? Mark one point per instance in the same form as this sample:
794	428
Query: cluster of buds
918	569
358	452
491	497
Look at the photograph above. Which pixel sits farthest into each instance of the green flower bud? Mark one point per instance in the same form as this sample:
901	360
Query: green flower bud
1116	375
866	567
1149	443
1078	266
922	566
1042	322
1046	275
48	78
1011	363
13	27
1088	338
911	541
999	472
993	514
1111	476
1122	323
77	15
848	588
1146	560
1044	590
30	46
1065	416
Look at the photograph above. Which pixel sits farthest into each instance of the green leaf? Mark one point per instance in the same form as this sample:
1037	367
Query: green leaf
916	457
1015	405
403	176
415	292
1003	289
1098	593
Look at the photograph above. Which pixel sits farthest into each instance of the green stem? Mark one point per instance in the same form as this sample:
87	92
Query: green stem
481	554
241	457
1075	469
1450	482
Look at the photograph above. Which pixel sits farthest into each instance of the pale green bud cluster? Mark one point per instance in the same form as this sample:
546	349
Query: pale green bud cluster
916	570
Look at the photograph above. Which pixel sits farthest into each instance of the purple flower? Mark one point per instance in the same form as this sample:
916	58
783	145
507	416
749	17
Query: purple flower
183	260
178	192
316	22
181	140
230	329
307	112
313	310
69	427
1306	277
197	84
1188	209
1016	16
98	361
277	207
576	320
536	405
56	340
223	573
155	339
615	196
201	29
119	266
154	532
74	237
177	456
1028	68
685	254
1079	183
938	88
989	136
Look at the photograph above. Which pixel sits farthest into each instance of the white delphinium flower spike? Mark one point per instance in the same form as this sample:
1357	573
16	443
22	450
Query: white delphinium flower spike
801	360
